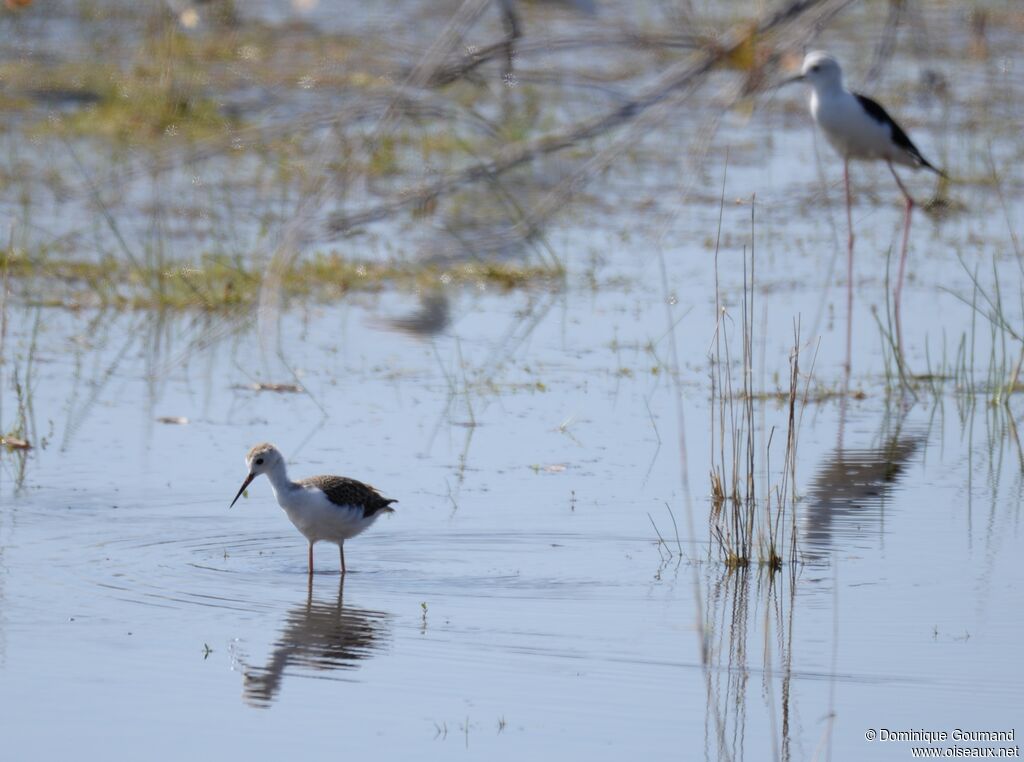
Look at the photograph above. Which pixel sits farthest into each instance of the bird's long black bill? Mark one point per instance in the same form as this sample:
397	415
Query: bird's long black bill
245	484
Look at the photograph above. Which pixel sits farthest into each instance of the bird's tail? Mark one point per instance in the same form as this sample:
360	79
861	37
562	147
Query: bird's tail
928	165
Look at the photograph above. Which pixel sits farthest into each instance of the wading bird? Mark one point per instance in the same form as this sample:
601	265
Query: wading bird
857	127
329	508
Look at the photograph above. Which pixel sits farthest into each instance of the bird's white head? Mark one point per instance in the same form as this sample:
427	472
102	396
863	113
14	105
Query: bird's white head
261	459
821	71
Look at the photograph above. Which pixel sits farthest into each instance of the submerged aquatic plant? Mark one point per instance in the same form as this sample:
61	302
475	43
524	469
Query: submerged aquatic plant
218	282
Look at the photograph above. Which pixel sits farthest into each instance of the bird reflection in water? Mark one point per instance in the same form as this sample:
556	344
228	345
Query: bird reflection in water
431	317
461	242
850	491
317	635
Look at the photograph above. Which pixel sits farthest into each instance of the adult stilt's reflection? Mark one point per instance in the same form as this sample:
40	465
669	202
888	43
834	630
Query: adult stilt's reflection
850	490
317	635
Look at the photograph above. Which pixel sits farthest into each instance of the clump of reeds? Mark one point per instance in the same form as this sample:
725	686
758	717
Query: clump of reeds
748	523
17	437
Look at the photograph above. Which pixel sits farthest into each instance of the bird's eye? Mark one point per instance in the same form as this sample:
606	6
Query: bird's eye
815	67
259	461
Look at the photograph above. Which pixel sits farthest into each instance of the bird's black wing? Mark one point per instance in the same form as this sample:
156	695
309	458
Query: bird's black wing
899	137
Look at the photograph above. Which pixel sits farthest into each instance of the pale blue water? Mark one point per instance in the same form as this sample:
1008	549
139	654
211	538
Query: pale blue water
518	603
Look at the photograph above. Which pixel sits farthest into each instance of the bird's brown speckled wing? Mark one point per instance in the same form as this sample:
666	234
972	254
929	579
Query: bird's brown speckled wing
341	490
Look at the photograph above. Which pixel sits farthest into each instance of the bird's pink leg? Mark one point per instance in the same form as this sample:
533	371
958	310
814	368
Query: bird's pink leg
341	551
903	261
849	268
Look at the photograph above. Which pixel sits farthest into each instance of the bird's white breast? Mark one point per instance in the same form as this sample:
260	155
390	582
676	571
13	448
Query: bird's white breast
850	130
318	518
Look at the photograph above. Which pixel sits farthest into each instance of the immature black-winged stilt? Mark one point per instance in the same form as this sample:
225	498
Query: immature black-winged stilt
330	508
857	127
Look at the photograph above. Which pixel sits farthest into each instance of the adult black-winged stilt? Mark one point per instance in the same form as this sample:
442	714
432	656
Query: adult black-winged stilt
857	127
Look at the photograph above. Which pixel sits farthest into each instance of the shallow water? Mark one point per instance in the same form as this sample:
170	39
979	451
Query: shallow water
548	606
539	441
